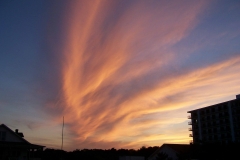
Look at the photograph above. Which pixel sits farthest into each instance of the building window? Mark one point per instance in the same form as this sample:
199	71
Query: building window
2	136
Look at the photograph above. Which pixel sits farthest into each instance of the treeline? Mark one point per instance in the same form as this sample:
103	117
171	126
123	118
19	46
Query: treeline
95	154
200	152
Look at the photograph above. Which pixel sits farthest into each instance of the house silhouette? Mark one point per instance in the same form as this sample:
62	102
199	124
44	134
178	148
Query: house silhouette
14	146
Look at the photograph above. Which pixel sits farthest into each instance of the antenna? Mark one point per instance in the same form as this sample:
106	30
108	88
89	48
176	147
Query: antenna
62	133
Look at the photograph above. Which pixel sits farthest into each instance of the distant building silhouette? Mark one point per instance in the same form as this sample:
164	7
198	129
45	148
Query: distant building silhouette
219	123
14	146
170	151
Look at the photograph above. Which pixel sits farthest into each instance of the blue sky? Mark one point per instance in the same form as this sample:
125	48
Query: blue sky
122	73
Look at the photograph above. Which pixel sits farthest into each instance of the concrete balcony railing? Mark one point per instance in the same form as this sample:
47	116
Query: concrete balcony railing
189	123
189	117
190	135
190	129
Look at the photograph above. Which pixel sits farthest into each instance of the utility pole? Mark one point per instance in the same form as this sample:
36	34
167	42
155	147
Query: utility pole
62	133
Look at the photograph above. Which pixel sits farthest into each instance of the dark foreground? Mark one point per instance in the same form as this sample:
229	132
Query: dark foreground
200	152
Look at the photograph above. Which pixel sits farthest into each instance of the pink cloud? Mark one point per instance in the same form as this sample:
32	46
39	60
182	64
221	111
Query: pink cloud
116	72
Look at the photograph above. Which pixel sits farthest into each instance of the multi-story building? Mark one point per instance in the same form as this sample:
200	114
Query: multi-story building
219	123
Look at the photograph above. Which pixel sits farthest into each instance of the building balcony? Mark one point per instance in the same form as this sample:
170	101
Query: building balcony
189	117
189	123
190	129
190	135
191	141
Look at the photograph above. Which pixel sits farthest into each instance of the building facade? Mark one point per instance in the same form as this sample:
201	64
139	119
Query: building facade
219	123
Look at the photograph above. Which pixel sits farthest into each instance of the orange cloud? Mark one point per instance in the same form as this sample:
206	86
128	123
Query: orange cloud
117	79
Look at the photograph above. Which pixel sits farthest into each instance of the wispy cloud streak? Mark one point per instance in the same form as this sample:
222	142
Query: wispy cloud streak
120	73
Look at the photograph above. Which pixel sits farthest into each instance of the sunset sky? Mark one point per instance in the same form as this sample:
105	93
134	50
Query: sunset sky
123	73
